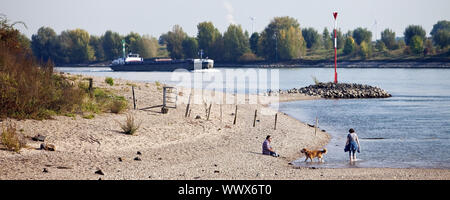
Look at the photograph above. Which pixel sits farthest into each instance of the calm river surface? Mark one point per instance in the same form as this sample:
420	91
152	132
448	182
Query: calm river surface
410	129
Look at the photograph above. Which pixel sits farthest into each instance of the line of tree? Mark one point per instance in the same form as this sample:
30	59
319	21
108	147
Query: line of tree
77	46
282	39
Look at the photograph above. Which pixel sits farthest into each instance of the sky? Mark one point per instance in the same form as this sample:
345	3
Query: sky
154	17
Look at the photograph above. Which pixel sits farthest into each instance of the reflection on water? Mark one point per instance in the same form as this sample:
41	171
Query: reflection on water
411	129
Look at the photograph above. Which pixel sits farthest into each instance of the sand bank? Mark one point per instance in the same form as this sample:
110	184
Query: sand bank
173	146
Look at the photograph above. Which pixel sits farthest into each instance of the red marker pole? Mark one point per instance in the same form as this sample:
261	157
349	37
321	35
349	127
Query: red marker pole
335	47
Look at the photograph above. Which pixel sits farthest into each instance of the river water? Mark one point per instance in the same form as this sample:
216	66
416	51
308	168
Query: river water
410	129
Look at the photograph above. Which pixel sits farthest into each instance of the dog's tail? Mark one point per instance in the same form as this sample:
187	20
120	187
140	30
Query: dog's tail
324	150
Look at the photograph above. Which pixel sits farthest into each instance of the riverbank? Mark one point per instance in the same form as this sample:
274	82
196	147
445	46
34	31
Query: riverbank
301	63
174	147
438	62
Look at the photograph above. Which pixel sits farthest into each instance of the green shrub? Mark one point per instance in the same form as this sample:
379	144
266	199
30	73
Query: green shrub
118	105
90	116
109	80
11	140
29	89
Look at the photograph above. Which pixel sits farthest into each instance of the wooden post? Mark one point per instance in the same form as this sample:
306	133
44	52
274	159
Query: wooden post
275	126
317	125
235	116
90	84
209	111
164	96
91	92
134	99
187	106
254	118
221	113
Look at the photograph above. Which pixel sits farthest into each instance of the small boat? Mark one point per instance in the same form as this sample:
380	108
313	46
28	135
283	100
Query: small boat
133	62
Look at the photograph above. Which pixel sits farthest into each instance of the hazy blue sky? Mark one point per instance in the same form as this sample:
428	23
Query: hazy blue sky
155	17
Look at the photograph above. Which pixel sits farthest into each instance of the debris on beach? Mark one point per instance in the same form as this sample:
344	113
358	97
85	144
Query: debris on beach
45	170
137	159
100	172
40	138
47	147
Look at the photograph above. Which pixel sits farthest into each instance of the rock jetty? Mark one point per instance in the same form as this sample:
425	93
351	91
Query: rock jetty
340	91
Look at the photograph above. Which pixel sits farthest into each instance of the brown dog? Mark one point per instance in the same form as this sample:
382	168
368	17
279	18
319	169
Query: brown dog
313	154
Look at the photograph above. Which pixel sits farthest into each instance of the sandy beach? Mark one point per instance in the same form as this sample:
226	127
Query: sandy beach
173	146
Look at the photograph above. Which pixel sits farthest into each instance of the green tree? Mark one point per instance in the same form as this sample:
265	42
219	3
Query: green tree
416	44
206	36
350	45
291	47
414	30
43	44
112	45
272	44
82	52
236	43
217	49
190	47
442	38
441	33
388	38
326	39
134	43
380	46
312	38
365	50
174	41
362	34
96	43
151	46
254	42
73	47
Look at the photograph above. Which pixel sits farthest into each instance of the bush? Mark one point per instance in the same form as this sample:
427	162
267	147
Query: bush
13	141
118	105
30	89
130	127
109	80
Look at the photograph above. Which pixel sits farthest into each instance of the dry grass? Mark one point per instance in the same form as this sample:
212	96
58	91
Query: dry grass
130	127
29	89
12	140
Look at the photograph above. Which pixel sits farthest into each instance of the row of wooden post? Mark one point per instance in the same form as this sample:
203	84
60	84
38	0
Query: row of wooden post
188	113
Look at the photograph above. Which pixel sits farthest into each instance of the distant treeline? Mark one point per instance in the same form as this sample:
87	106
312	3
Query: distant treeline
282	39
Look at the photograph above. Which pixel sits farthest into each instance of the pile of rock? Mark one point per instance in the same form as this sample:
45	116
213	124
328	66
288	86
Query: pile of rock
341	91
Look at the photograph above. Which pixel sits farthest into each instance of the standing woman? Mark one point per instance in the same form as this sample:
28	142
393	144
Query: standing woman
352	144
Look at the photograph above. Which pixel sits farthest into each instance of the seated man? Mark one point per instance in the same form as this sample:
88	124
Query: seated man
267	149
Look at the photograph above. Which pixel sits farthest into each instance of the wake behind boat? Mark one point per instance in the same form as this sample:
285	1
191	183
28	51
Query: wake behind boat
133	62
